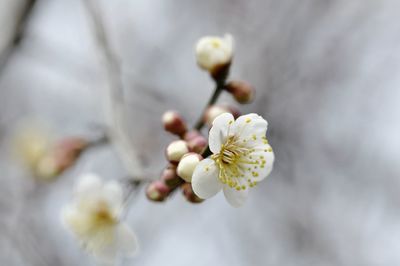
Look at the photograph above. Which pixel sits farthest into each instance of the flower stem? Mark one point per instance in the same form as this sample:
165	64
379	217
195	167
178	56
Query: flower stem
207	152
217	92
134	187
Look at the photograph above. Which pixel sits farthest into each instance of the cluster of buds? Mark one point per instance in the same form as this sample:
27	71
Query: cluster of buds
159	190
183	156
213	54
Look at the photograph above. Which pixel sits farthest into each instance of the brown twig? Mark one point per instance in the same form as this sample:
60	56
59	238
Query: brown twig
217	92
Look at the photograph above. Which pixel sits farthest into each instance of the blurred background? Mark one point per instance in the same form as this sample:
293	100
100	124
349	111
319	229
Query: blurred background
327	80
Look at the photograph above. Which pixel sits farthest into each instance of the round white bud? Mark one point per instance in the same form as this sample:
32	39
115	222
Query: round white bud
213	112
187	165
214	52
174	123
176	150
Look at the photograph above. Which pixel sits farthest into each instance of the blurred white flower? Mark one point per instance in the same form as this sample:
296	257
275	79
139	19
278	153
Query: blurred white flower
94	218
214	52
241	158
32	141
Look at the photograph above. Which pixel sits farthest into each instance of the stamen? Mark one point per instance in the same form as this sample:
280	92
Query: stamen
234	160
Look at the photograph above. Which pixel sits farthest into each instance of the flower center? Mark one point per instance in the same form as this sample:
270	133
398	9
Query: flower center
231	161
216	43
104	216
230	152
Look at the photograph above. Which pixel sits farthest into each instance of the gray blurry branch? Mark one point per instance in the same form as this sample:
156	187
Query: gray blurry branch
113	64
115	112
18	34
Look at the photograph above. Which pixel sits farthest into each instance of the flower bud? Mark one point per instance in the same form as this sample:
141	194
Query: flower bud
170	178
72	144
176	150
189	193
174	123
214	54
242	91
47	168
187	165
157	191
197	144
234	111
60	157
212	112
168	173
215	110
191	135
31	144
69	149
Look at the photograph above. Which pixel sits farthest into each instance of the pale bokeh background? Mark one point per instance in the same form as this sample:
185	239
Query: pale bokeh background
327	74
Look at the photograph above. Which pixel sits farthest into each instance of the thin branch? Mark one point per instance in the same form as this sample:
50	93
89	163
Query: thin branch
217	92
113	63
18	34
117	114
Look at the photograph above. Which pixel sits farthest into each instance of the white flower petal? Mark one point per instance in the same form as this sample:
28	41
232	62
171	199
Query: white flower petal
69	215
89	183
126	240
229	42
107	244
205	182
234	197
219	131
269	157
103	244
248	126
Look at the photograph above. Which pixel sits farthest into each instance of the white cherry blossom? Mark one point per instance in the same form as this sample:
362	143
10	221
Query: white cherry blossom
241	158
94	218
